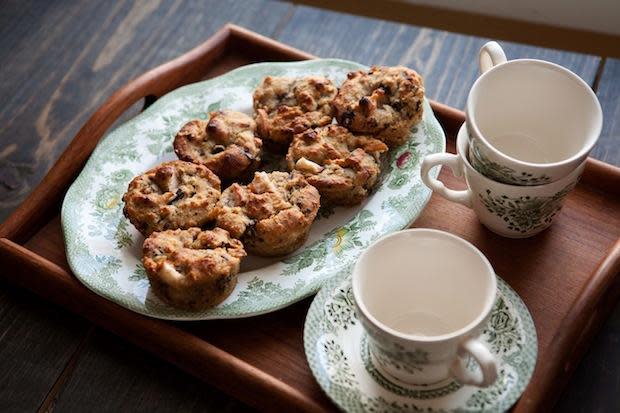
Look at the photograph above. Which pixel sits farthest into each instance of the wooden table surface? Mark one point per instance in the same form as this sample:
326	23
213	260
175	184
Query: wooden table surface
61	59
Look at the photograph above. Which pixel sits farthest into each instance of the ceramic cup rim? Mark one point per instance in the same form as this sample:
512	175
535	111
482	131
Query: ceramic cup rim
463	331
594	134
462	147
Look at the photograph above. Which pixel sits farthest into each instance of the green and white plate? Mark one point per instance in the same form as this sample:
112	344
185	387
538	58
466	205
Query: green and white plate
337	351
104	250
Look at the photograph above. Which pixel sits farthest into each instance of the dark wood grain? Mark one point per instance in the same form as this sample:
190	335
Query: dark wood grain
60	60
595	383
448	61
126	378
37	340
608	92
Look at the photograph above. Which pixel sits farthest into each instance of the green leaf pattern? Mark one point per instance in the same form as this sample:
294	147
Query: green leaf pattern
502	173
94	225
338	364
339	309
258	289
524	214
510	335
106	211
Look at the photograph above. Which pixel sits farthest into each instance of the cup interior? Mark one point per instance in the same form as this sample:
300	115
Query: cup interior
535	112
462	149
424	283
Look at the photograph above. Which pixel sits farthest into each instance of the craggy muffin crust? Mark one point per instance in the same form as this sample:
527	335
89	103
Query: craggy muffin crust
192	269
342	166
225	143
384	101
285	106
172	195
272	215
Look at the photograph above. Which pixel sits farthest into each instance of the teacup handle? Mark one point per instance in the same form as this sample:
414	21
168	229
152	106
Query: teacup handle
491	54
462	197
485	359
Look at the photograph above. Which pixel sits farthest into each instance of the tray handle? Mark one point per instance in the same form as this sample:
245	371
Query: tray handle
188	68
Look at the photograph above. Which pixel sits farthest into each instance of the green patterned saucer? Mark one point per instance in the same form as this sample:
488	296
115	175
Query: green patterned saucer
104	250
337	352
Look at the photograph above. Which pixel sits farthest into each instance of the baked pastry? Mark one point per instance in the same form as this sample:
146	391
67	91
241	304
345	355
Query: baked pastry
172	195
190	268
342	166
272	215
383	101
285	106
225	144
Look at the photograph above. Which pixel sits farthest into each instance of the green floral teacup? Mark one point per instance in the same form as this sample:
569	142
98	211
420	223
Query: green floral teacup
423	313
512	211
530	122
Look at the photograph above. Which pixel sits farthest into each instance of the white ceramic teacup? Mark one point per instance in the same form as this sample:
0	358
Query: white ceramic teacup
509	210
530	122
423	312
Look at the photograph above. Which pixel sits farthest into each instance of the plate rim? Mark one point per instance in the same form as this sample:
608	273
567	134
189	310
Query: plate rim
68	217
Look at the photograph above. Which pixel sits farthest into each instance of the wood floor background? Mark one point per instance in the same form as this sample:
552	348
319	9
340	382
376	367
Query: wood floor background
61	59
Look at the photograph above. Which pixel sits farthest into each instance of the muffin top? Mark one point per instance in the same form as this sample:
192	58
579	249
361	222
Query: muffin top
383	101
225	143
192	255
284	106
172	195
342	166
328	143
271	213
190	268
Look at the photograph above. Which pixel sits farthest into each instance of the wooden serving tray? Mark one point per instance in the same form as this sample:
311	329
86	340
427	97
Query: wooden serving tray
567	276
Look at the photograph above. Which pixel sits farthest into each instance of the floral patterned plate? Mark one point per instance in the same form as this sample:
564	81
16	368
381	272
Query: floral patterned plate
104	250
337	352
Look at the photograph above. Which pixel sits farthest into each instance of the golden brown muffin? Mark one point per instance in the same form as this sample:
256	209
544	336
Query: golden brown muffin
192	269
172	195
285	106
383	101
272	215
225	144
342	166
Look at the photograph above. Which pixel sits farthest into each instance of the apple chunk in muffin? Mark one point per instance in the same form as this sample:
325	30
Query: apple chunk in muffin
272	215
342	166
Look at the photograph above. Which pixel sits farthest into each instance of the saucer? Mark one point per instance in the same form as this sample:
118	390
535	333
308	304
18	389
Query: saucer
337	351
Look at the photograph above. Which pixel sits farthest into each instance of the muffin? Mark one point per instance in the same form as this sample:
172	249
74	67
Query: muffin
343	167
285	106
172	195
383	101
272	215
190	268
225	144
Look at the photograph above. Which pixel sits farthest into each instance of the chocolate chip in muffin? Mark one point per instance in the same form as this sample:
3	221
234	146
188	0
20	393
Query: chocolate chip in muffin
285	106
384	101
226	144
172	195
272	215
342	166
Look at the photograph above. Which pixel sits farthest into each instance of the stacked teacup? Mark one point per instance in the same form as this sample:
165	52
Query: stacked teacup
530	125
